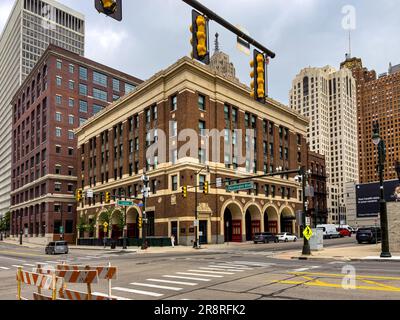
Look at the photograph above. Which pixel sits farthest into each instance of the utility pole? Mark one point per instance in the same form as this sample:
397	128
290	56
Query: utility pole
145	180
20	228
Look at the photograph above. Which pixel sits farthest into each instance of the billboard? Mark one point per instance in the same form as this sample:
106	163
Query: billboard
368	195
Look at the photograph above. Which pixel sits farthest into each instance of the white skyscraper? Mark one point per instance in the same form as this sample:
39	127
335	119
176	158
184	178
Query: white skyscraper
328	98
31	26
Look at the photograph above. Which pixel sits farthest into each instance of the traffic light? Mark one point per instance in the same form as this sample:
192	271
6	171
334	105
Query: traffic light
79	195
200	38
206	188
111	8
140	222
259	77
184	192
108	197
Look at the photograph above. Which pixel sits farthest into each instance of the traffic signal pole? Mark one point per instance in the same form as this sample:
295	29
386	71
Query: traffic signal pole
306	244
213	16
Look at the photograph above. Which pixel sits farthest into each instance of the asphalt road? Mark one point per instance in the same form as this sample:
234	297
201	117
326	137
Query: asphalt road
247	272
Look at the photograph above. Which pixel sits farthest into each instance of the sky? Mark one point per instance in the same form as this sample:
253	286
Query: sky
155	33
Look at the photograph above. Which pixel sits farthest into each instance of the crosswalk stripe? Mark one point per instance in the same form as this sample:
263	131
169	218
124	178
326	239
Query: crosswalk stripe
222	269
230	267
199	274
29	265
188	278
213	272
173	282
155	286
4	268
15	266
254	264
146	293
52	262
104	295
301	269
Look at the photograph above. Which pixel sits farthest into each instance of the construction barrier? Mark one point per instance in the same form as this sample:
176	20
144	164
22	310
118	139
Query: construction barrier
81	296
41	281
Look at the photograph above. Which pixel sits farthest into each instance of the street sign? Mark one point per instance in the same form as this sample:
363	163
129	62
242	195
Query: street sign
219	182
89	193
196	223
240	187
307	233
125	203
308	221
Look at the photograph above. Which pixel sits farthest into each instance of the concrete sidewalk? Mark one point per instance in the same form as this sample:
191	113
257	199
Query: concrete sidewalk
351	253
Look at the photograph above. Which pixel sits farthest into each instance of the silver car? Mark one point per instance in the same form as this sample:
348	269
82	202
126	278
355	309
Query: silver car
57	247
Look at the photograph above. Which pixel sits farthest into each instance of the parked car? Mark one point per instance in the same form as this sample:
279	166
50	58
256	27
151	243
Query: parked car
329	231
346	226
265	237
370	235
344	232
286	237
57	247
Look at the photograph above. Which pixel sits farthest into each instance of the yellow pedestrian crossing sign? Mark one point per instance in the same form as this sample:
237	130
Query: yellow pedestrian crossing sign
307	233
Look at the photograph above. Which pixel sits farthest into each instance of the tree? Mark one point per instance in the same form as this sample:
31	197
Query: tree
81	226
5	222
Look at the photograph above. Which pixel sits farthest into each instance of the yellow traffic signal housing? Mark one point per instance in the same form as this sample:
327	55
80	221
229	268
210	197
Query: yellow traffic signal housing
79	195
107	197
184	192
200	37
140	222
258	76
111	8
206	188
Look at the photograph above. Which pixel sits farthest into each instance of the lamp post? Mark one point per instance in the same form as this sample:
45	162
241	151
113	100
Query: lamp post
20	228
378	141
196	229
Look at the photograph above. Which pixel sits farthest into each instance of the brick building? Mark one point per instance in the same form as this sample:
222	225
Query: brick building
62	91
317	205
378	100
187	95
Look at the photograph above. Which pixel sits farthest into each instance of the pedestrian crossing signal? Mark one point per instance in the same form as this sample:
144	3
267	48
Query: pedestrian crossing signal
108	197
111	8
79	195
206	188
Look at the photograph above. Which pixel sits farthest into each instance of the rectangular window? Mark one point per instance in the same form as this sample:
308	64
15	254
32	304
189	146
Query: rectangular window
58	132
97	109
82	121
71	102
100	79
129	88
58	116
83	106
71	68
59	64
174	180
58	81
71	85
202	127
115	97
71	135
174	128
83	91
202	103
57	187
155	112
83	73
174	103
58	100
99	94
71	119
116	85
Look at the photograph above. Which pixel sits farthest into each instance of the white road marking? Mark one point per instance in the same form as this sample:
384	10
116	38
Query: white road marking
146	293
255	264
199	274
301	269
315	267
222	269
188	278
29	265
174	282
230	267
213	272
104	295
52	262
15	266
155	286
4	268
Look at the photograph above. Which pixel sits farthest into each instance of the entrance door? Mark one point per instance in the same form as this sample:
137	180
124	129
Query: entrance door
248	227
174	231
228	226
272	227
203	232
236	230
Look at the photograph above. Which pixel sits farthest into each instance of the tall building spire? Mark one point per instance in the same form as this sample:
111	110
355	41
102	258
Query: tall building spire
216	49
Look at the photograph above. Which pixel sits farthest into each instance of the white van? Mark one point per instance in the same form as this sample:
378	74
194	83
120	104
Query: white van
329	231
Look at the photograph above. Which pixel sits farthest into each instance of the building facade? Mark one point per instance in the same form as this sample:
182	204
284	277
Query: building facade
317	204
61	93
31	27
378	100
184	99
328	98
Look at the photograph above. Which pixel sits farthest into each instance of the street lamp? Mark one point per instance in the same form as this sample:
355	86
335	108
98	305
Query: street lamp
196	229
378	141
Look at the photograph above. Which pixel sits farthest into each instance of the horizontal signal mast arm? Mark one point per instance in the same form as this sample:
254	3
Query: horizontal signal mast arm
213	16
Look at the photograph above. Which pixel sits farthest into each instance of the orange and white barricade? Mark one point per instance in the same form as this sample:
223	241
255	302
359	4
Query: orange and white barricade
41	281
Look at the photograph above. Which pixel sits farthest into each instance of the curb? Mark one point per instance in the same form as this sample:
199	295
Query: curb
320	259
375	260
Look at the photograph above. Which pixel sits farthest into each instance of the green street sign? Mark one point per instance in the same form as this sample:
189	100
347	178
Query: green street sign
240	186
125	203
